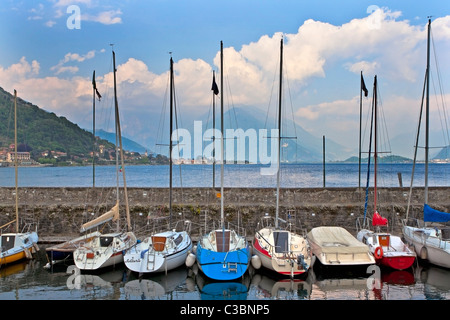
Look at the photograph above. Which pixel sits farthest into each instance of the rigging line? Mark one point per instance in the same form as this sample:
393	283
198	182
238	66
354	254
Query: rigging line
275	73
368	159
107	108
364	134
232	104
292	110
176	126
384	133
440	115
416	145
440	88
160	131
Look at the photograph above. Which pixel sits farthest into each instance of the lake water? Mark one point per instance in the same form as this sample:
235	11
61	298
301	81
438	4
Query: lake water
292	175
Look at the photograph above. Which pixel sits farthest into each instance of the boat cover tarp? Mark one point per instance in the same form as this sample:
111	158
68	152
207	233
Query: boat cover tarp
336	240
433	215
112	214
378	220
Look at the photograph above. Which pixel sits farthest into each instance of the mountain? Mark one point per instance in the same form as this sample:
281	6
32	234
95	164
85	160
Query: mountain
444	154
128	144
40	130
298	144
385	159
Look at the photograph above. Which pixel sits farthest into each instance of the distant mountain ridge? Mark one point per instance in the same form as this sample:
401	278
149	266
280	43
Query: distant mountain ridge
128	144
40	130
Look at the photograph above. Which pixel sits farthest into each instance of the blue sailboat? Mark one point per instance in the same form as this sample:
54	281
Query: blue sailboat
222	254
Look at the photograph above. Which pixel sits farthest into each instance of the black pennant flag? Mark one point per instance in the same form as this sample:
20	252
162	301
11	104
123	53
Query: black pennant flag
214	87
363	86
95	86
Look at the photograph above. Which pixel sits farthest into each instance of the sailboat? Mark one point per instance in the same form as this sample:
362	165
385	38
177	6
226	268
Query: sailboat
430	239
16	246
107	249
222	254
165	250
280	250
63	252
388	249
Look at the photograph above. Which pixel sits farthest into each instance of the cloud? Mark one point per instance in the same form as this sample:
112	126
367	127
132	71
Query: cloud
316	56
87	8
50	23
19	71
105	17
70	57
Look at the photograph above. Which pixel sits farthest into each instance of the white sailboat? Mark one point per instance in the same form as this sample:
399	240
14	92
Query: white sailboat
430	238
107	249
222	254
276	249
167	250
16	246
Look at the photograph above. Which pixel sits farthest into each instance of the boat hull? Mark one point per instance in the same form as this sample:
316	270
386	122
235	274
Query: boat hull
400	262
388	250
223	265
19	246
64	251
283	265
144	258
101	253
335	246
428	246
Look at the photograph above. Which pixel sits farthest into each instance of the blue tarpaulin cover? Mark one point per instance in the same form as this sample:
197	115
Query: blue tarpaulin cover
433	215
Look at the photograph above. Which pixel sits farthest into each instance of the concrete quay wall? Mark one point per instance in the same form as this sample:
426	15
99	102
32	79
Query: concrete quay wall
60	212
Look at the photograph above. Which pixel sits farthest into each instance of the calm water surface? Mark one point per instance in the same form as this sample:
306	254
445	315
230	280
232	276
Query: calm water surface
292	175
31	281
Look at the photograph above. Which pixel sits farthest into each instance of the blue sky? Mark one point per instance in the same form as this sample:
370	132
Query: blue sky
328	44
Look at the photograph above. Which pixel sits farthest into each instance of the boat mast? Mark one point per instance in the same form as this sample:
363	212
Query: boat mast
214	134
93	129
15	160
119	138
221	140
427	111
375	154
279	135
170	142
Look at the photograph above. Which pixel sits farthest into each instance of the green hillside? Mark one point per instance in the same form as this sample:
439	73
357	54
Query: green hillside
39	130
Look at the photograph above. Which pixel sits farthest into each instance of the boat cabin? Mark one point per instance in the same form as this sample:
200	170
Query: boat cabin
384	240
223	240
281	241
8	242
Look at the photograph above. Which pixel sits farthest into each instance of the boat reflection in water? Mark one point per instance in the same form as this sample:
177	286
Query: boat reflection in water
436	282
269	287
156	285
16	267
30	280
210	289
106	279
